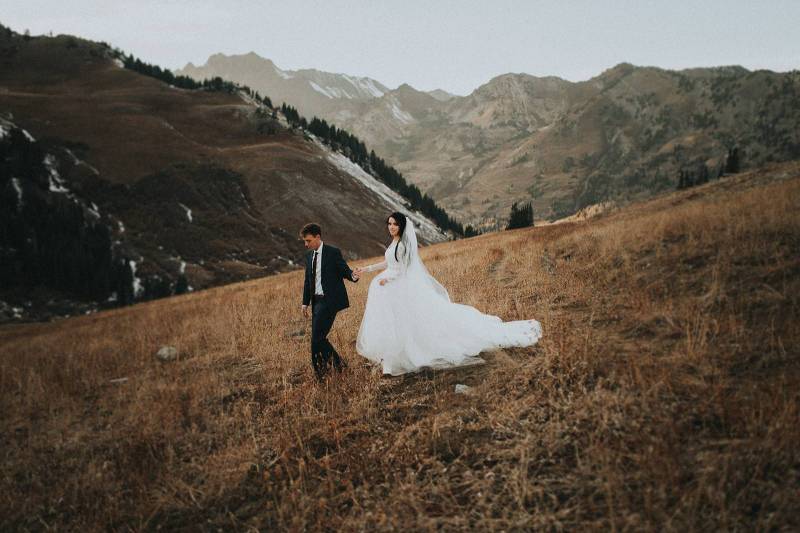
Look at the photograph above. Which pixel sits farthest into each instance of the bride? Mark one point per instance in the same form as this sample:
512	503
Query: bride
409	321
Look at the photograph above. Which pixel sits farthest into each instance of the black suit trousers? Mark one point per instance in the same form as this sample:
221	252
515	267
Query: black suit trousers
323	354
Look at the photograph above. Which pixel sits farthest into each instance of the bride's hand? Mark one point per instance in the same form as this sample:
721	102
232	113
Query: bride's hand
358	271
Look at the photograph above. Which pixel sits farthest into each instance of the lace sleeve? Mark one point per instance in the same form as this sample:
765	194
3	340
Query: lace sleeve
401	260
376	266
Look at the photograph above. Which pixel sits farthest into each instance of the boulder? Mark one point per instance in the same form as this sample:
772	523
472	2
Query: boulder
167	353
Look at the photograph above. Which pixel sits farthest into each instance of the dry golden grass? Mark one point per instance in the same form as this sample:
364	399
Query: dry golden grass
664	394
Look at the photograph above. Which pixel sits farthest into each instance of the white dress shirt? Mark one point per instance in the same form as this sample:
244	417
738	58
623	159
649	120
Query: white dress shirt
318	280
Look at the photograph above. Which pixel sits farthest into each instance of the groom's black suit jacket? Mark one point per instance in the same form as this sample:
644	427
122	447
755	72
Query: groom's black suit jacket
334	270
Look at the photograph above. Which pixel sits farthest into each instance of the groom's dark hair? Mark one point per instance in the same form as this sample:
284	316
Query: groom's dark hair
311	229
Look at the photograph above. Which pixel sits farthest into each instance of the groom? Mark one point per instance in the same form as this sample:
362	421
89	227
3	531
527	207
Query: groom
324	292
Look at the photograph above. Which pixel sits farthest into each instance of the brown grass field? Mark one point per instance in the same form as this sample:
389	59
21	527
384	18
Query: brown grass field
664	394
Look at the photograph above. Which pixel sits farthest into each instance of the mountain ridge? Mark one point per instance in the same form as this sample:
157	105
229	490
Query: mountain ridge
564	145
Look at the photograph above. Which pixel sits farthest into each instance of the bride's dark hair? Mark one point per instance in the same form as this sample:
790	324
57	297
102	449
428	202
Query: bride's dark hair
400	218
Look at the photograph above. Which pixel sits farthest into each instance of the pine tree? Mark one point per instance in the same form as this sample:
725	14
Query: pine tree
352	147
703	174
732	164
182	285
521	217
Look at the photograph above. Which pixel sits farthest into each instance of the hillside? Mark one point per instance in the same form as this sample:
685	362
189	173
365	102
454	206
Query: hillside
663	395
624	134
172	188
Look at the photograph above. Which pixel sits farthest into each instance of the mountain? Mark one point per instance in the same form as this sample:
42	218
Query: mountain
117	187
441	95
309	90
624	134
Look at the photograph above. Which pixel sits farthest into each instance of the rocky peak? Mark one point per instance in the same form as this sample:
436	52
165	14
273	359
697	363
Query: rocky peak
441	95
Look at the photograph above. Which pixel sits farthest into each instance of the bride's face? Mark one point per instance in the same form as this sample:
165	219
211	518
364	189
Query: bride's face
394	228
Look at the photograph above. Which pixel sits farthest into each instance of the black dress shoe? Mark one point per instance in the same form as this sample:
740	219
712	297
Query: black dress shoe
318	366
338	363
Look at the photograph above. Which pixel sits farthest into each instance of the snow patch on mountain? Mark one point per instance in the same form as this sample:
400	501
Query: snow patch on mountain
56	183
282	73
138	288
188	212
18	188
365	85
77	161
320	89
394	202
399	114
331	92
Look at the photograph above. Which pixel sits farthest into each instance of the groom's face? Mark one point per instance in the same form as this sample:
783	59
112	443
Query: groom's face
312	241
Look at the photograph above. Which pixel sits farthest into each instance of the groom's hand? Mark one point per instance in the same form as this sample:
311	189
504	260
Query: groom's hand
355	275
305	311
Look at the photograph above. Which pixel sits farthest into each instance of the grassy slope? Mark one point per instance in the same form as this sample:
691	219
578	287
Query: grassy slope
664	393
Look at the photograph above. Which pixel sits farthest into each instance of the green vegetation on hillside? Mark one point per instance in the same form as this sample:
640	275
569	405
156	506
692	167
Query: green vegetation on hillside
185	82
521	216
55	240
355	149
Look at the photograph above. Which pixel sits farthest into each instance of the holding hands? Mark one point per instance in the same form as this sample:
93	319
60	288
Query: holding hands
360	270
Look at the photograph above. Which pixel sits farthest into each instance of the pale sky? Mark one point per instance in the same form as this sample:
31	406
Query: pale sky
434	44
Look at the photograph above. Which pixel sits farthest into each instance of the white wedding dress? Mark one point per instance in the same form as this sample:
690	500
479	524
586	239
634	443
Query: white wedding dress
410	323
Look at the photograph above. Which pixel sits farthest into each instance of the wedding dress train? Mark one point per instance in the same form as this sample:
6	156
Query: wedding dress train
410	323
